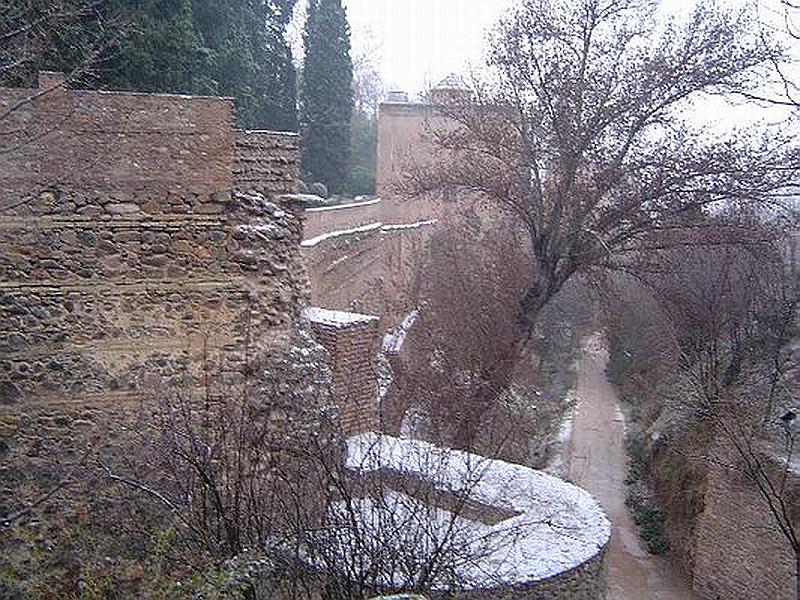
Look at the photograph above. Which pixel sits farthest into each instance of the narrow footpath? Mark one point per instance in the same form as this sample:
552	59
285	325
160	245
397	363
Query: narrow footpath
597	464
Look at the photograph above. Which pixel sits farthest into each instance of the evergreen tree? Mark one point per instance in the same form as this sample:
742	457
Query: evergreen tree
327	98
280	96
161	50
251	59
232	48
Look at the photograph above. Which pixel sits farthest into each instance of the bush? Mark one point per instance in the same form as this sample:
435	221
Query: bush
361	181
650	521
619	364
318	189
647	516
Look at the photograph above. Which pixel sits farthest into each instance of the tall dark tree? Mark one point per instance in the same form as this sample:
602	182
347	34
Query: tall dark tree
281	90
161	51
233	48
367	94
327	94
250	58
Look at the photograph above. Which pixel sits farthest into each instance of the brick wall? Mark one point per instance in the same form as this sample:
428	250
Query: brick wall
352	340
115	142
739	552
266	161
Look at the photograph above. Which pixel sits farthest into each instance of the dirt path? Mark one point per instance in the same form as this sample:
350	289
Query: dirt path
597	463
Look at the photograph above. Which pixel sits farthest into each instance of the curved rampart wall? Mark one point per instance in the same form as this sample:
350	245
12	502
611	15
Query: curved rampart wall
584	582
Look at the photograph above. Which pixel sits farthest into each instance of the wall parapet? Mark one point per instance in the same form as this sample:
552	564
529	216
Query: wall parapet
267	162
352	340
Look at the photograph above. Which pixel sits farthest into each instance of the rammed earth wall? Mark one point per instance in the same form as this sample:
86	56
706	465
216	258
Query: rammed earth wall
372	270
739	551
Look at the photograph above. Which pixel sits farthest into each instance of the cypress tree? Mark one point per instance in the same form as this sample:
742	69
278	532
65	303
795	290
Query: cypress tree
251	59
280	108
327	95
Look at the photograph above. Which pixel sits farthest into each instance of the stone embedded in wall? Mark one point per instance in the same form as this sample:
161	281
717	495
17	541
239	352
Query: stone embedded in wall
352	341
85	302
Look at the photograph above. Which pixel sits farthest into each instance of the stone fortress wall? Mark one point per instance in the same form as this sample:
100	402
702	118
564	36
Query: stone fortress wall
365	257
134	247
143	239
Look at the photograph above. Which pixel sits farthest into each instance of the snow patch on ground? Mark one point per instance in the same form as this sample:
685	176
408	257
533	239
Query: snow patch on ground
392	344
557	526
393	341
336	318
404	226
337	262
341	232
559	460
619	417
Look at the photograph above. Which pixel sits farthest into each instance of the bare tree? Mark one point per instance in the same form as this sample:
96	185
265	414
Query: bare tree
461	352
253	482
367	81
71	33
580	135
778	21
713	343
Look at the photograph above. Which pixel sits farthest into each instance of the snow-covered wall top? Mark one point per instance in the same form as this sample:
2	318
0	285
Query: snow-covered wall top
337	318
344	206
556	527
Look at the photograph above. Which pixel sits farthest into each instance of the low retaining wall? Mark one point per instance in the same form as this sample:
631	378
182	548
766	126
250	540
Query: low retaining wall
549	541
584	582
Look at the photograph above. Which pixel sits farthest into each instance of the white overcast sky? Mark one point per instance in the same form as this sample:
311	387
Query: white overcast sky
416	43
420	42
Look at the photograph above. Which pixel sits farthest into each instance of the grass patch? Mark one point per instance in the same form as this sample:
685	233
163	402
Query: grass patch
650	521
646	514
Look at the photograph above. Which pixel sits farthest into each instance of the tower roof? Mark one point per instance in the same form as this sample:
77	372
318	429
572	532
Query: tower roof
451	82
